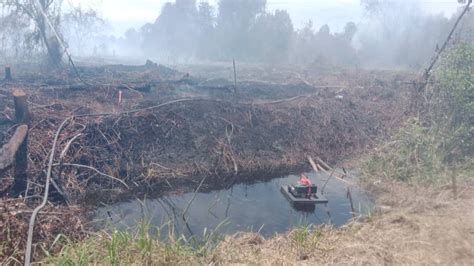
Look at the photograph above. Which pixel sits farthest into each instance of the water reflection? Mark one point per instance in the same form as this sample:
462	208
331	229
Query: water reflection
257	207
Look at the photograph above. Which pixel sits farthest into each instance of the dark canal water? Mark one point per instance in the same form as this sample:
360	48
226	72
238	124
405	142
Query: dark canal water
257	207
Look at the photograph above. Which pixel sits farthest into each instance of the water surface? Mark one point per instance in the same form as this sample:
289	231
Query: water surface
256	207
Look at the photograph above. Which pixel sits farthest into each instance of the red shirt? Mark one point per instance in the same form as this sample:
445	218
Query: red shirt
304	180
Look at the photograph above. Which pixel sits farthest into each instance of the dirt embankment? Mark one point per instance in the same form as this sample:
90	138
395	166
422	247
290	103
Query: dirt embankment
259	129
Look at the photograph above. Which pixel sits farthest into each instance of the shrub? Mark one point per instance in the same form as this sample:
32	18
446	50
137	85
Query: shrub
425	147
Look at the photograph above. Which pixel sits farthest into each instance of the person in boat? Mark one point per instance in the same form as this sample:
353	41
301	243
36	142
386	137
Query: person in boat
304	181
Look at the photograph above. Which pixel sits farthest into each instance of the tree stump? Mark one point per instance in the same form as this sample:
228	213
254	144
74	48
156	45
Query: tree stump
8	73
21	106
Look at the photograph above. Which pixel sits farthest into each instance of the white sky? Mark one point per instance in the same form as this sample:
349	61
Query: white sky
124	14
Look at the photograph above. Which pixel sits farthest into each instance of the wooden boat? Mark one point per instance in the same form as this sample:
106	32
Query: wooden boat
298	195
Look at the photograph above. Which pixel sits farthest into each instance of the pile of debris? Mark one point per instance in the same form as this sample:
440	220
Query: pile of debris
54	223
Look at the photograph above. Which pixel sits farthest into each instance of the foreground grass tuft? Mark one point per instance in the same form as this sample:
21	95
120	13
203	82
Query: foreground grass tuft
137	247
303	239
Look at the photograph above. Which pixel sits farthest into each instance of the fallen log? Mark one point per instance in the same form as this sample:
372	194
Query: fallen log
14	153
334	172
324	165
21	106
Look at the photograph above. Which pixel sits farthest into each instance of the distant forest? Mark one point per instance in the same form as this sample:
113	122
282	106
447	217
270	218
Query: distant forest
393	34
396	33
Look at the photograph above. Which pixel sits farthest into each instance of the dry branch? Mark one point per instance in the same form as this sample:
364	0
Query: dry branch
93	169
192	199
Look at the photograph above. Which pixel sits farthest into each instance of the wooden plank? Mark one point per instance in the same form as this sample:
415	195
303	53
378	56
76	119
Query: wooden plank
323	164
315	168
313	164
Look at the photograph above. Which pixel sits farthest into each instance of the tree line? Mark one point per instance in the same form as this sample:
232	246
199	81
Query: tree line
240	29
393	33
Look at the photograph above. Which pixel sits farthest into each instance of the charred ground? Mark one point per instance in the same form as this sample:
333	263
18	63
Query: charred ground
184	128
230	135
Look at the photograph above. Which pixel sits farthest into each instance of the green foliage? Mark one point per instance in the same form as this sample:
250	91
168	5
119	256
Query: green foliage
411	155
453	102
304	240
425	148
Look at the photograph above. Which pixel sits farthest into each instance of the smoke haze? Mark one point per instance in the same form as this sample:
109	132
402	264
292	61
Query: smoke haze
321	34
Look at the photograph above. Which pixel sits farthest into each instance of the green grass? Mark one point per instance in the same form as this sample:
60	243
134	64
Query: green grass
429	148
303	239
415	155
412	155
136	247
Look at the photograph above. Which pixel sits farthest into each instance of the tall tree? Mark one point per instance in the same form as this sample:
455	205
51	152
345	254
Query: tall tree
205	25
399	33
39	11
234	22
81	25
271	36
349	31
174	31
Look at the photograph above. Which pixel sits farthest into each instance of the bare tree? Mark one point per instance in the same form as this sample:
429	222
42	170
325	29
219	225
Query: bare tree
41	12
80	25
12	32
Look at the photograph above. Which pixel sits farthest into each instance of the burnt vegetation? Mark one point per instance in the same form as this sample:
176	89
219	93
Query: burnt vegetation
249	97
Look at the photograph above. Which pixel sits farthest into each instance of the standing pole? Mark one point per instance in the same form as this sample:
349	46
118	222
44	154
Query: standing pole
8	73
235	76
454	183
21	106
349	196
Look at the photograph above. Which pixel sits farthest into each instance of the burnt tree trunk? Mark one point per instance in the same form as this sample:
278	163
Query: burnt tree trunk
21	107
